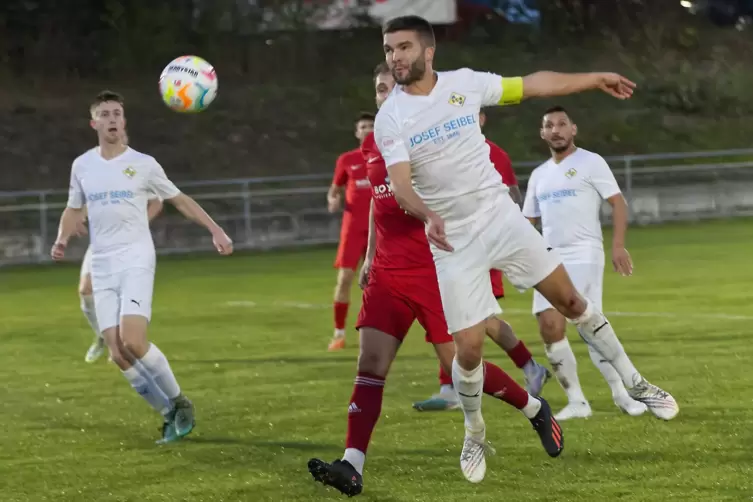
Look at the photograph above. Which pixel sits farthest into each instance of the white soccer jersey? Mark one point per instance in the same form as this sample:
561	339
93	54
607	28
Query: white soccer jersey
568	198
440	136
116	192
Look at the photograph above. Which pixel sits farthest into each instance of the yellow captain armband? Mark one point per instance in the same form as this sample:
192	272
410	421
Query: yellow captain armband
512	91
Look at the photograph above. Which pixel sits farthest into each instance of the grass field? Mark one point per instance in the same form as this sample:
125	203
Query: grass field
247	335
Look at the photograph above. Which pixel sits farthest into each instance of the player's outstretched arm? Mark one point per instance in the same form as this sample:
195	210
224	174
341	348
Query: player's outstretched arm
194	212
70	221
549	84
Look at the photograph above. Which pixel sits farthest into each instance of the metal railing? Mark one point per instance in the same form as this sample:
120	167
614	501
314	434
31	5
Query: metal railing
284	211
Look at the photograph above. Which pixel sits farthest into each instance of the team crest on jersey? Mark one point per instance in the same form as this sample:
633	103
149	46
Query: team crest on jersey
129	171
456	99
570	173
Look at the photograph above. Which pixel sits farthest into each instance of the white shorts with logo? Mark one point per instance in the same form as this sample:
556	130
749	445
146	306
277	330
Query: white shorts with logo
124	293
86	264
498	238
588	279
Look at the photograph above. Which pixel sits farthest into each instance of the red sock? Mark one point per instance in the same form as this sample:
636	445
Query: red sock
520	355
498	384
364	410
444	378
341	314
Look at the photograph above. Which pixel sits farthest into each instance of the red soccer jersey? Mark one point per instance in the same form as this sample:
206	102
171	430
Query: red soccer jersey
350	172
401	244
502	164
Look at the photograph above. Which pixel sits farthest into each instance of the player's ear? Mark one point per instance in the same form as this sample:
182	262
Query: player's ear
429	54
575	130
92	124
541	133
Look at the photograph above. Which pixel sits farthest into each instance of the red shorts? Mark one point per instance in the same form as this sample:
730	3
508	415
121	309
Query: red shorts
391	303
497	286
352	248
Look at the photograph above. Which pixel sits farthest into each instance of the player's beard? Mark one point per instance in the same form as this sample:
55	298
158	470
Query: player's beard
562	147
416	72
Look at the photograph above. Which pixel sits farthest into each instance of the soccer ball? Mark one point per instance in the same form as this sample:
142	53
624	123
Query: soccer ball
188	84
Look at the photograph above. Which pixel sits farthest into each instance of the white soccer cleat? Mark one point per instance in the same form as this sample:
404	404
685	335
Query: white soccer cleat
95	351
658	402
574	410
473	458
629	405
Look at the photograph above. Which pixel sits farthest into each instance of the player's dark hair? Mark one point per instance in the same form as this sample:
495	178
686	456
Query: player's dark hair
104	97
365	116
557	109
416	24
381	69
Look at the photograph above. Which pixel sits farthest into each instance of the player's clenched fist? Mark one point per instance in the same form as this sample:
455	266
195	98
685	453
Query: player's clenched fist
222	243
58	251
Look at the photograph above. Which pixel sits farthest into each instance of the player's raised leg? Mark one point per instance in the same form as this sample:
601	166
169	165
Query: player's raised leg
97	348
596	330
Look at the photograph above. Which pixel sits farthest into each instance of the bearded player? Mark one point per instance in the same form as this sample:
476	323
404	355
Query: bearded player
114	182
565	195
438	162
400	286
351	184
536	375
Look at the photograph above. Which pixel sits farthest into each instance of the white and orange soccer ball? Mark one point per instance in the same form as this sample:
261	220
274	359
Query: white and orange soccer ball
188	84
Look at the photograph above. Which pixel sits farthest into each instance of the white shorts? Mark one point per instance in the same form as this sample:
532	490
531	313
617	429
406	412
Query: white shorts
86	264
588	279
126	293
500	238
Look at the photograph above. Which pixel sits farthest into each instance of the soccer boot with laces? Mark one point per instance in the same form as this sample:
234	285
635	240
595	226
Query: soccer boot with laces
185	419
96	349
548	429
473	456
340	475
536	378
659	402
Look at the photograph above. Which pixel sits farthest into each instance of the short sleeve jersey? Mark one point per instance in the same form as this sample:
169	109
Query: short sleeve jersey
440	136
568	197
350	172
502	164
401	244
116	193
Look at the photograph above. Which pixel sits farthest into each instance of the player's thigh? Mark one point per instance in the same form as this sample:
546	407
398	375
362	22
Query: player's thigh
106	293
588	279
137	289
464	286
518	249
421	292
560	292
351	249
383	309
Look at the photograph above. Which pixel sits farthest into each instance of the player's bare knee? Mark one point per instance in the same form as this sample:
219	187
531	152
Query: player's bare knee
469	345
552	326
133	335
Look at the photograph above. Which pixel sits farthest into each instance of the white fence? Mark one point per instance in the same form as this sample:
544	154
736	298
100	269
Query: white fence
285	211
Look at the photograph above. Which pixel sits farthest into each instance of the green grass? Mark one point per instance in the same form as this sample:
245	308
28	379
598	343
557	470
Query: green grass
269	396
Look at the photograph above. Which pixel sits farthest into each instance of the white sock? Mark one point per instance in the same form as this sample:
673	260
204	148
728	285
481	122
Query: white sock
87	307
356	458
565	368
531	409
156	363
147	388
446	389
339	333
608	372
596	330
469	386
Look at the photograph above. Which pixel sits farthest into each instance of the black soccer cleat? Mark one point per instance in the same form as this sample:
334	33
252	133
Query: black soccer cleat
340	475
549	430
